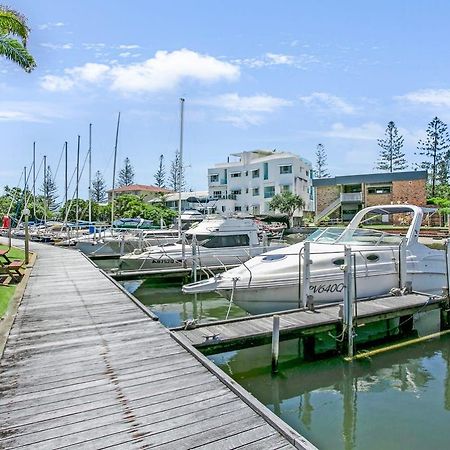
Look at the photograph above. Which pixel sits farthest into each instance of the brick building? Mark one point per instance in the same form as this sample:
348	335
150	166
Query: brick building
141	190
342	197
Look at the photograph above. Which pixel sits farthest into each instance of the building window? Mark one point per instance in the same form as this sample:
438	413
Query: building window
237	208
235	192
255	173
217	194
214	178
285	169
285	188
255	191
235	174
269	191
246	190
307	173
246	173
379	190
223	208
266	171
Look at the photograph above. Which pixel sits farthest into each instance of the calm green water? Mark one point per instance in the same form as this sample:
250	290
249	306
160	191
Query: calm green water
165	299
396	400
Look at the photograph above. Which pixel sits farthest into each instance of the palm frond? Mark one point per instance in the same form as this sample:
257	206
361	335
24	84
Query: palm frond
16	52
13	23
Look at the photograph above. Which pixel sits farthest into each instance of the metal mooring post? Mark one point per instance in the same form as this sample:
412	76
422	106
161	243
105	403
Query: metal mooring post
447	263
122	245
306	273
348	299
402	264
183	249
275	342
194	258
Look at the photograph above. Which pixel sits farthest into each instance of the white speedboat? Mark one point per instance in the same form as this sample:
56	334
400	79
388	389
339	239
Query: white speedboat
270	282
215	241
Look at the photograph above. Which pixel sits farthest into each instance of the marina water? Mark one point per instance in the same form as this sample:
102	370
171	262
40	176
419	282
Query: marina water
333	403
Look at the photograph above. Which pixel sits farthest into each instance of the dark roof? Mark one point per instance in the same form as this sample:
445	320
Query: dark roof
384	177
140	187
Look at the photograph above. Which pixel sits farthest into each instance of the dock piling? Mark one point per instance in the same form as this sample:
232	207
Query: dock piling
402	271
275	342
306	274
348	299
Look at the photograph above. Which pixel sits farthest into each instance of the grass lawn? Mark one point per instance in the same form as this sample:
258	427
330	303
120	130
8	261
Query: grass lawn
6	292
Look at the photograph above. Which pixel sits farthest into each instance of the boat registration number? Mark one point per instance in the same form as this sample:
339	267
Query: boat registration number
319	288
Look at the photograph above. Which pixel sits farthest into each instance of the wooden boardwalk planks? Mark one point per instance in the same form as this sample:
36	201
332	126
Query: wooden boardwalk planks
85	367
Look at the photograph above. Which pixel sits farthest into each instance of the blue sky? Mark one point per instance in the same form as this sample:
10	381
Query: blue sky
255	74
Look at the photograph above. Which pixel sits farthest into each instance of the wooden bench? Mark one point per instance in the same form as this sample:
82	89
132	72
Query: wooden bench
13	269
4	255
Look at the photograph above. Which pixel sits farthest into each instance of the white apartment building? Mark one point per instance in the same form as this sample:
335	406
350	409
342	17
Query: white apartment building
249	180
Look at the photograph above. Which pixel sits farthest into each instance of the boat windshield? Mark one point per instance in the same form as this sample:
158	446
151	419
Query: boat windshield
358	236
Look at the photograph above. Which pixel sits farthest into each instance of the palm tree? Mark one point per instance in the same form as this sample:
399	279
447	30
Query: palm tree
12	25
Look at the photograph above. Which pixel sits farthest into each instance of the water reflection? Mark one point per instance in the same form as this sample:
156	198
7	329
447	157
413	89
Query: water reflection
399	399
165	299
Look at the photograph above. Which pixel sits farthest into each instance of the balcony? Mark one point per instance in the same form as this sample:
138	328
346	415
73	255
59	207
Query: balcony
353	197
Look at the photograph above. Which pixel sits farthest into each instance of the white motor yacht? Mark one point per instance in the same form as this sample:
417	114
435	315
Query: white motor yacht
213	242
270	282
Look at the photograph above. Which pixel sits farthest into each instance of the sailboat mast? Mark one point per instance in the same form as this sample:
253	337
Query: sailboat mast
78	181
65	173
34	181
45	189
90	173
114	170
180	165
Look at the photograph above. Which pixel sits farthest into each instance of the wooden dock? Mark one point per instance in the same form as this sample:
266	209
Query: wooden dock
248	331
172	272
86	367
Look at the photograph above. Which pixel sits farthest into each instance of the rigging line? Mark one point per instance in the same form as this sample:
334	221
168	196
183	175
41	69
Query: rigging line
15	192
59	163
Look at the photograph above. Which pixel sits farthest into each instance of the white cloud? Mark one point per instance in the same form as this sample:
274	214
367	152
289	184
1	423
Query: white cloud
125	54
164	71
167	69
245	111
328	102
431	97
276	59
255	103
93	45
54	83
21	111
369	131
90	72
128	47
47	26
51	46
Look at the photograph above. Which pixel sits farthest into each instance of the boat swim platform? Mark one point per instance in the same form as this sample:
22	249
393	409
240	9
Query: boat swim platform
249	331
85	366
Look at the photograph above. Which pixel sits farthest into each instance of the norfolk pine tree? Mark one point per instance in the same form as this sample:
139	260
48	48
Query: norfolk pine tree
391	157
321	170
436	148
160	175
49	190
126	174
98	193
174	176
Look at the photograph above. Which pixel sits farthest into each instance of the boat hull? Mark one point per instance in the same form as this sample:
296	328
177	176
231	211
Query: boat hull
261	300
